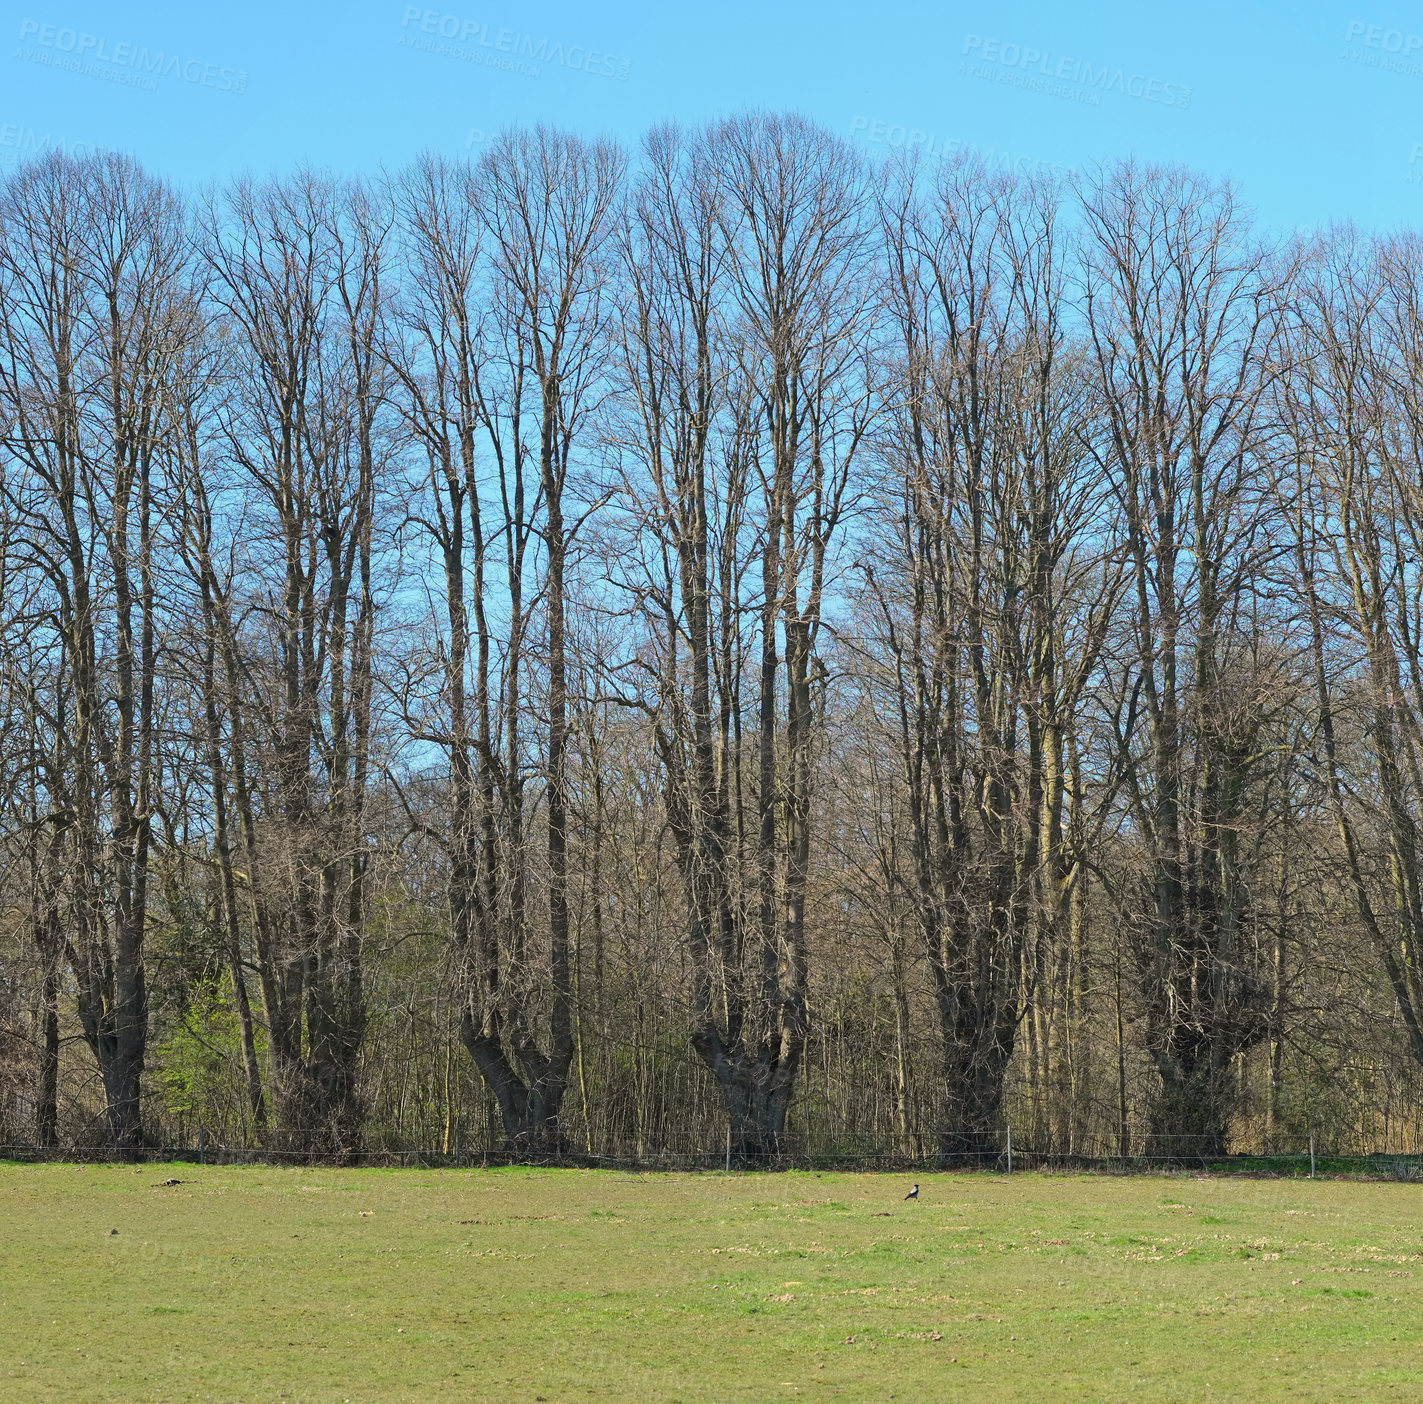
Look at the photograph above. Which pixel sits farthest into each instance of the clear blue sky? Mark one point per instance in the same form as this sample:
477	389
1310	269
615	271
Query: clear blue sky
1314	109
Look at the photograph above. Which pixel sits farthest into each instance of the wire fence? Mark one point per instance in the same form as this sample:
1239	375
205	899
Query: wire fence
1166	1154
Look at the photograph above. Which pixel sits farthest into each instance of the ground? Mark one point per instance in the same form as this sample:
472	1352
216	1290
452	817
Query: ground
256	1283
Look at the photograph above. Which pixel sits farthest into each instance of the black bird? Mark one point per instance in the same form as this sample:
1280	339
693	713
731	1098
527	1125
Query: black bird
913	1194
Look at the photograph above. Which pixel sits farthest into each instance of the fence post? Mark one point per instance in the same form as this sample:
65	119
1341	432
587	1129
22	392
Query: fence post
728	1145
1311	1152
1010	1147
202	1145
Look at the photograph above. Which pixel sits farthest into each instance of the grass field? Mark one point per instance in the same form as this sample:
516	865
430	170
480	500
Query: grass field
270	1284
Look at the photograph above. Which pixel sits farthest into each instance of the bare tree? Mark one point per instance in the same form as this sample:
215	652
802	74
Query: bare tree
296	269
1354	422
195	405
744	344
987	607
500	366
841	657
94	257
1179	304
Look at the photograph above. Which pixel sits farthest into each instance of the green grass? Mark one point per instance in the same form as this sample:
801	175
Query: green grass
267	1284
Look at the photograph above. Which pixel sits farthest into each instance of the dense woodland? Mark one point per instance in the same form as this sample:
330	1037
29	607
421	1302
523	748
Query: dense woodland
722	645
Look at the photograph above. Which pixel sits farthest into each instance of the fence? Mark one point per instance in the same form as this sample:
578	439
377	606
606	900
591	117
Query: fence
1178	1154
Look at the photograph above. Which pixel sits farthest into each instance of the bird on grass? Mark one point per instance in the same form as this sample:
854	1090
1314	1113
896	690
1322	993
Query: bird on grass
913	1194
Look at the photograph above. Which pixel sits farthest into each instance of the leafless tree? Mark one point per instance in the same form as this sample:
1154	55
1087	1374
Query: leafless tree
1354	418
1179	302
296	272
849	658
94	257
988	603
500	367
745	348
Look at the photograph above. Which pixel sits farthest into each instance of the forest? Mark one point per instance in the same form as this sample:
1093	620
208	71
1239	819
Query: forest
732	646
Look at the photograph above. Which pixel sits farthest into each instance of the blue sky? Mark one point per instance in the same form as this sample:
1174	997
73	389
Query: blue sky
1314	110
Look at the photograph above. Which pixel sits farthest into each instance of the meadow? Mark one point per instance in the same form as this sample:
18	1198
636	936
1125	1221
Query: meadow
258	1283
